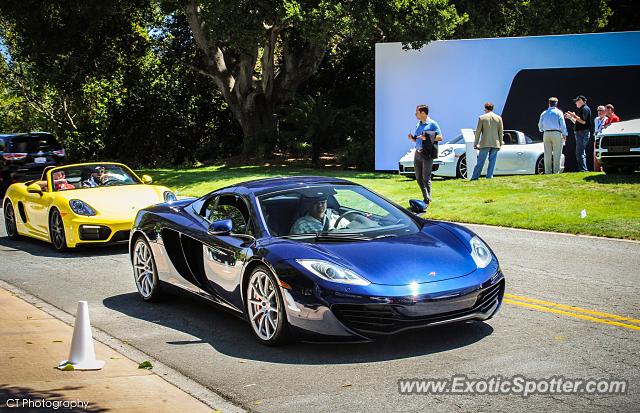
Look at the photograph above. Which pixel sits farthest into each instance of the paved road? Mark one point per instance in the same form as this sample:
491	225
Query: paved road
530	338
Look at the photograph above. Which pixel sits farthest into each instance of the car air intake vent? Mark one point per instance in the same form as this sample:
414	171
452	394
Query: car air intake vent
94	232
376	319
120	236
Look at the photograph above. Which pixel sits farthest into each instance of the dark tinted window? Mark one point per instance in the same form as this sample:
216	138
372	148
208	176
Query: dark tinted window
510	138
528	139
30	144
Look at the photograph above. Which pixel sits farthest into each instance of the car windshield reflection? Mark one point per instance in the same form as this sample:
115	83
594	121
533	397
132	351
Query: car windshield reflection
91	176
331	211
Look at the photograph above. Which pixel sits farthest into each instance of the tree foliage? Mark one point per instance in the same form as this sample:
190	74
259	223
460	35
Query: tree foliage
180	81
260	52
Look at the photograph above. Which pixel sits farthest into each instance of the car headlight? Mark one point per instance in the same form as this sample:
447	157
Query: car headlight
446	152
332	272
480	253
169	196
81	208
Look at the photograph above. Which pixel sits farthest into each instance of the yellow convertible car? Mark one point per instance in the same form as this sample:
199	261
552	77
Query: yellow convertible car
80	204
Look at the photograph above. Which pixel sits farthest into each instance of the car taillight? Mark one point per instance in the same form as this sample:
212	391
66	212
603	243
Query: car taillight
59	152
14	156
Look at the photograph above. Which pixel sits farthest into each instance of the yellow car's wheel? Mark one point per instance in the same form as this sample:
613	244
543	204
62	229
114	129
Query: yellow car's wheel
56	231
10	221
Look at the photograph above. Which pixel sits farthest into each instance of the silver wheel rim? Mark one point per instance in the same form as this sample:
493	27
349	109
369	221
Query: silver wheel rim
540	166
263	305
57	230
143	269
10	220
463	168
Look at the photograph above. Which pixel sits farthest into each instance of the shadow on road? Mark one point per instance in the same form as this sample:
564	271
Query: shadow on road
44	249
231	336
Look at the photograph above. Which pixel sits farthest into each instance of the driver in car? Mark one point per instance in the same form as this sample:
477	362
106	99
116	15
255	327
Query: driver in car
320	218
102	176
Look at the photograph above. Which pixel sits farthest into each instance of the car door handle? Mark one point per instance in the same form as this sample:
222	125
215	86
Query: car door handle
520	153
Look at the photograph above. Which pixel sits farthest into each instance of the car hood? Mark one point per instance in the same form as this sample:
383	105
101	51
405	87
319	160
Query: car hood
627	127
118	201
433	254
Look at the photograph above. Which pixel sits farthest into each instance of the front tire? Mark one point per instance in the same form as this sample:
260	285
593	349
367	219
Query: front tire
461	168
145	272
265	308
540	165
56	231
10	223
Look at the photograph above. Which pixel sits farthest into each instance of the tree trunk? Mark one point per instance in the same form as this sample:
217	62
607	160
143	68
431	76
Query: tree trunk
258	126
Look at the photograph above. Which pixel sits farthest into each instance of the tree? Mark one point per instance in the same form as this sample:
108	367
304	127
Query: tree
260	52
510	18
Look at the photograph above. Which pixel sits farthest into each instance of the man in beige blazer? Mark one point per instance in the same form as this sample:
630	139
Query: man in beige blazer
489	139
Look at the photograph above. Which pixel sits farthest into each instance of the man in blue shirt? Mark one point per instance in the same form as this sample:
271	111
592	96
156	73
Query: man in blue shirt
554	134
426	137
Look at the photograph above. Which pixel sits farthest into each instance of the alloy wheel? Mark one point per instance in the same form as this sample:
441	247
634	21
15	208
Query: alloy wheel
263	306
462	167
10	221
540	166
143	269
57	231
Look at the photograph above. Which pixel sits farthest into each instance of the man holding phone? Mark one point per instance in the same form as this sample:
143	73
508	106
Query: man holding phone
426	137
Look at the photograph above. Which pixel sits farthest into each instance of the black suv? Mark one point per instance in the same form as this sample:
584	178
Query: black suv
24	156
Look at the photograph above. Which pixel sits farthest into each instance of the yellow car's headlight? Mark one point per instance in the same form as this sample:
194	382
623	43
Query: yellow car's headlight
81	207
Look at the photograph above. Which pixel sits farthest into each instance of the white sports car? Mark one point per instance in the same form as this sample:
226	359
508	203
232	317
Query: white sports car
520	155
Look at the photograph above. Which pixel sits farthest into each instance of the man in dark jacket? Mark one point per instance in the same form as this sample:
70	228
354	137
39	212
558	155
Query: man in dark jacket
582	127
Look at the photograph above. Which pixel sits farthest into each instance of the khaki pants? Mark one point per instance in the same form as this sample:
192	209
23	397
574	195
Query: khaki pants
552	151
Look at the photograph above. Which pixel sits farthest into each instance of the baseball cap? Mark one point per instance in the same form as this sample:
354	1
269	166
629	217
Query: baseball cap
581	97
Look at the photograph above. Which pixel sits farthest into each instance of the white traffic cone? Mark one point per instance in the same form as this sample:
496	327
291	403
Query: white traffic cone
82	355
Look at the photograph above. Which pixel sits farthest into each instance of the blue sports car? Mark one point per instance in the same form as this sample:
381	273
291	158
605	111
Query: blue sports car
315	258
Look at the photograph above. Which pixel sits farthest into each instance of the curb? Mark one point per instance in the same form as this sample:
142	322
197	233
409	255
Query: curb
212	399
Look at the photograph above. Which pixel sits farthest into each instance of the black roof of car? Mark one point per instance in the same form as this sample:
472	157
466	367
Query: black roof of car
267	185
24	134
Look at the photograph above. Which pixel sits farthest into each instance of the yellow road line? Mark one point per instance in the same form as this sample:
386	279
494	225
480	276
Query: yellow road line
572	308
581	316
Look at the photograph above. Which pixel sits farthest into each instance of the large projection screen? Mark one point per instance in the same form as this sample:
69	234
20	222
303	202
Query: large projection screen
456	77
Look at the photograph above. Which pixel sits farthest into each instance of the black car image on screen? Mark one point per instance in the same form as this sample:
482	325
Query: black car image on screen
24	156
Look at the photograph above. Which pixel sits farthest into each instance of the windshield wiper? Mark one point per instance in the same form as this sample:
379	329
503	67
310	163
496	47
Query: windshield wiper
328	236
385	236
331	236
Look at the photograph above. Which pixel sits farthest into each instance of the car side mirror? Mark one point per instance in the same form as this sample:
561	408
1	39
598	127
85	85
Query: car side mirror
34	189
146	179
221	227
417	206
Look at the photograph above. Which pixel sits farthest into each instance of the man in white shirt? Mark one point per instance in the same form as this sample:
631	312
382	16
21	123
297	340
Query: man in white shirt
601	120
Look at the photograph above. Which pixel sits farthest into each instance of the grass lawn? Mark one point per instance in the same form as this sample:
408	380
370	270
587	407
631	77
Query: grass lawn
549	203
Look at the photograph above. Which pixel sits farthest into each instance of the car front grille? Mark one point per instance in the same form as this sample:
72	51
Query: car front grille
387	319
620	143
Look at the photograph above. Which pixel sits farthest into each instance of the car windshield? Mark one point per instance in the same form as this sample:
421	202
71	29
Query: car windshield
91	176
339	210
457	139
